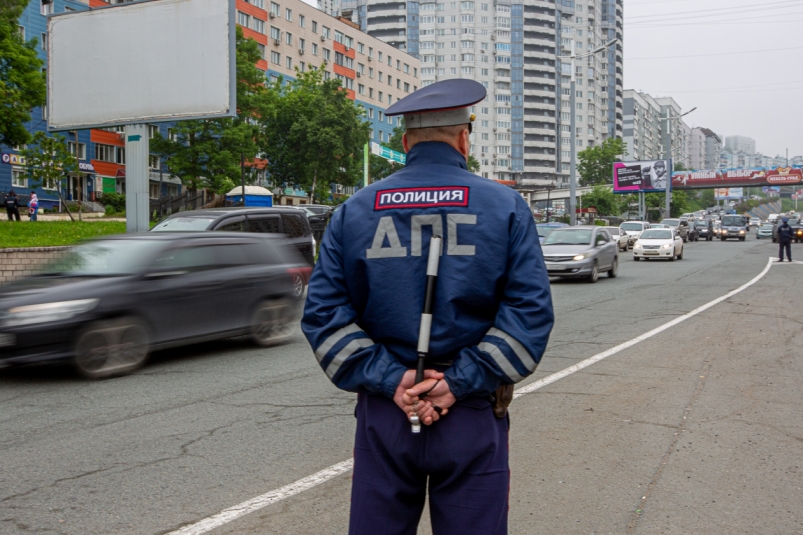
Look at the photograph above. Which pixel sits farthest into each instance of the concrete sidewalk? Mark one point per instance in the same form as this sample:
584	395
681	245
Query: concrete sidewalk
698	430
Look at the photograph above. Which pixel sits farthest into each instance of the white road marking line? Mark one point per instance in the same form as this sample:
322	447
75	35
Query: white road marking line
297	487
254	504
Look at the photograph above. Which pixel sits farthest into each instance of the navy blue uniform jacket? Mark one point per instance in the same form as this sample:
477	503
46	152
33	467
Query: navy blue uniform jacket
493	306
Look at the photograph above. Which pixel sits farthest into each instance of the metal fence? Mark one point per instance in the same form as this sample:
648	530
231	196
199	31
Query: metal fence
161	208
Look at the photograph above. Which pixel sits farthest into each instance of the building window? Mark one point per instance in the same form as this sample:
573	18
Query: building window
274	9
325	32
153	162
314	26
44	41
338	36
288	38
370	113
326	54
261	50
288	14
370	52
105	153
81	150
301	20
314	49
380	56
258	25
243	19
302	66
275	57
361	48
258	3
360	89
152	131
361	68
275	33
18	179
301	44
406	87
371	92
46	7
380	76
289	62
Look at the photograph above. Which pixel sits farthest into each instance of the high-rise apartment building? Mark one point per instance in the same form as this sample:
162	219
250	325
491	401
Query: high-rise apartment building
737	144
642	126
522	128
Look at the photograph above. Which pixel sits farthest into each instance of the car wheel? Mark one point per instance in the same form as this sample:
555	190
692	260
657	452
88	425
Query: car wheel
680	256
113	347
273	322
723	239
614	271
298	286
636	258
594	274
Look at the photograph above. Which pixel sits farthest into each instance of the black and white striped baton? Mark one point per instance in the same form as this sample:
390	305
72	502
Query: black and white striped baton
425	328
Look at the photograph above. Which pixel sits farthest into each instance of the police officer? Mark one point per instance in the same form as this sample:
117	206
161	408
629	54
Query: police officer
491	322
784	240
11	202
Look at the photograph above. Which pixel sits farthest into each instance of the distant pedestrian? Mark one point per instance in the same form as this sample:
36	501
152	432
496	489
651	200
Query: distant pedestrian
785	240
33	206
11	202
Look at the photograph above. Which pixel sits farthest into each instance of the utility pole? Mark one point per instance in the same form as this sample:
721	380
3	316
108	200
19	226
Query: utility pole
572	133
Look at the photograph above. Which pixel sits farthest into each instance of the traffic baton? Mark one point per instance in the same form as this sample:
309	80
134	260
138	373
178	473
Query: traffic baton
425	328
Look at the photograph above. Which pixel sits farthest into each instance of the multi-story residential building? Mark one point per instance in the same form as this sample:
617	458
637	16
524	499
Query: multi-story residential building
293	36
100	152
736	144
512	48
642	126
707	147
686	147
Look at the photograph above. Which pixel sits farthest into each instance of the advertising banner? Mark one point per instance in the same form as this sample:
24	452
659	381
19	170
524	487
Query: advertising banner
721	178
633	177
729	193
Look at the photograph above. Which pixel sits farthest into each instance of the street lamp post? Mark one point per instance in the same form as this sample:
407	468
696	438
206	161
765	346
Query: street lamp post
573	140
668	152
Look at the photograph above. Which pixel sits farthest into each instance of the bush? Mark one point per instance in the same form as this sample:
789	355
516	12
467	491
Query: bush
114	200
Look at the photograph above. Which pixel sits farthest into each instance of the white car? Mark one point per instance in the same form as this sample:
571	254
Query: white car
755	222
620	237
658	243
633	229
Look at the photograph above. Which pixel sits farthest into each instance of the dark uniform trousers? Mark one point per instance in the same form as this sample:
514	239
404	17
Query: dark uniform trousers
462	459
787	246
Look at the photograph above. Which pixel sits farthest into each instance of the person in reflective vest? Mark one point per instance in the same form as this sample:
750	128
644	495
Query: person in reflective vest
784	240
491	320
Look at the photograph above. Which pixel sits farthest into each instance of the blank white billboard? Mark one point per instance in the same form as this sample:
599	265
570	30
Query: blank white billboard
142	62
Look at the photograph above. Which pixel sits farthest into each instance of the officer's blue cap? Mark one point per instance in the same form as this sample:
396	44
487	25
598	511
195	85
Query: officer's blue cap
443	103
785	219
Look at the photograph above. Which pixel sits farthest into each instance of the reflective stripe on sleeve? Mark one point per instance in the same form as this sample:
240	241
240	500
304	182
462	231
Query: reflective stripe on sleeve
330	342
518	349
351	348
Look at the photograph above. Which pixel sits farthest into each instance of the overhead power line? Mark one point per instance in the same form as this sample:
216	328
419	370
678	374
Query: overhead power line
735	10
717	54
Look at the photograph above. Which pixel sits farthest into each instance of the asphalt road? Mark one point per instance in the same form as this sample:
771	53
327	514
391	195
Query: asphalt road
696	430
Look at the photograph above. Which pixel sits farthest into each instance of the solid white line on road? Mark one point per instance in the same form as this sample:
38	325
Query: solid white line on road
232	513
254	504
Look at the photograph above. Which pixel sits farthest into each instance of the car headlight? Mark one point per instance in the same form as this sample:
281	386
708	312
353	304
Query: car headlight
741	232
583	256
666	246
47	312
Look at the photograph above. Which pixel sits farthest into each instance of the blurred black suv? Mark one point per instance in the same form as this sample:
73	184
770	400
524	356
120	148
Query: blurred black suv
107	303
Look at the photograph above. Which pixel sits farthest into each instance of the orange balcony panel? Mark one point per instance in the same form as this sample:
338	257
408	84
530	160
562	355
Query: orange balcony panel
97	3
350	94
106	137
107	168
252	10
260	38
344	71
340	47
262	65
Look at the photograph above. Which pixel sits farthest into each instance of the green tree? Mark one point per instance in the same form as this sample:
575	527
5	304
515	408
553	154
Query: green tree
312	134
707	198
47	162
595	164
603	199
206	153
678	204
22	83
473	164
680	167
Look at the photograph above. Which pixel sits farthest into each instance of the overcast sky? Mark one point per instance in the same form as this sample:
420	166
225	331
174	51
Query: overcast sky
739	91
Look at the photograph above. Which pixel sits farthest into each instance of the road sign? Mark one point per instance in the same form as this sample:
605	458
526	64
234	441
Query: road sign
388	154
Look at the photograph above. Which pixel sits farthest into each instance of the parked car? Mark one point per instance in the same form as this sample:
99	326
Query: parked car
545	228
682	227
110	302
755	221
795	223
581	252
286	220
633	229
765	231
619	236
659	243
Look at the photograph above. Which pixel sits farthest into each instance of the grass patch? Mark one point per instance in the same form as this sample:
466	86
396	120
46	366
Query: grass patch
53	233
